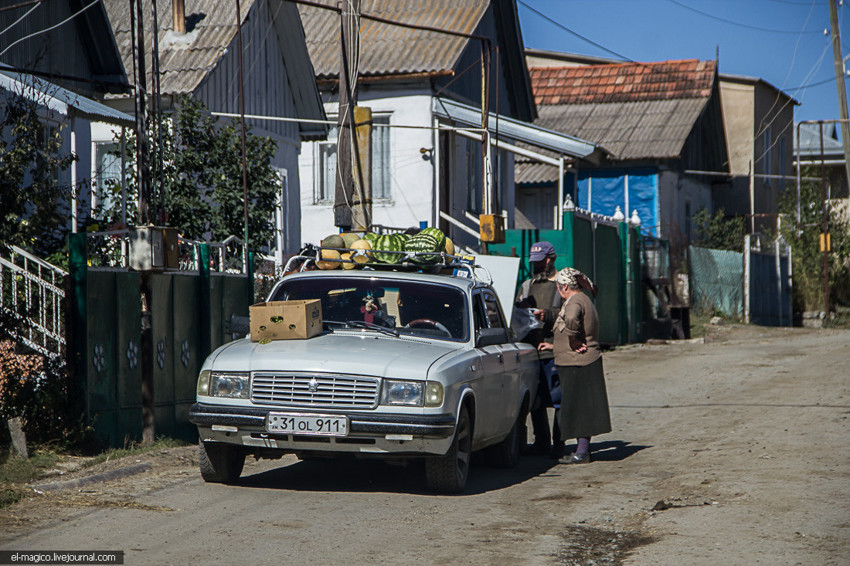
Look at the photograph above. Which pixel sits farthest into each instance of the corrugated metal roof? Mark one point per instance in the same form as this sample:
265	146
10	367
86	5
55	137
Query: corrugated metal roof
810	141
62	100
652	129
529	172
388	49
185	59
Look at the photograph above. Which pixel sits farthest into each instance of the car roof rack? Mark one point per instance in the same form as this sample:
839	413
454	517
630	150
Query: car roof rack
433	263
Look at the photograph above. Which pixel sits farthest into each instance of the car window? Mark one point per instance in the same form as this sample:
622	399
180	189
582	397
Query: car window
494	313
479	312
410	307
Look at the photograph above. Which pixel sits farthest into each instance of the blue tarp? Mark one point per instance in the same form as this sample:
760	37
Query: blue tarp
601	192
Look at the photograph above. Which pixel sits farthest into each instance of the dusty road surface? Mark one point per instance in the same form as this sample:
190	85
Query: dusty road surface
733	451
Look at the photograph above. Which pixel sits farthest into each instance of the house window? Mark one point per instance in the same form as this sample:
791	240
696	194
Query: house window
107	171
766	142
381	167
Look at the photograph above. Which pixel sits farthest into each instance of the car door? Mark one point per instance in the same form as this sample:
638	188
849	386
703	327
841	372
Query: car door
491	387
509	381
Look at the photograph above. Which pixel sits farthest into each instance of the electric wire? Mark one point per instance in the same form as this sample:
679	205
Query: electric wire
734	23
68	19
21	18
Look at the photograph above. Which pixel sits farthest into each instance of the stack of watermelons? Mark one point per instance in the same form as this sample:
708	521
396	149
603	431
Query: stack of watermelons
382	248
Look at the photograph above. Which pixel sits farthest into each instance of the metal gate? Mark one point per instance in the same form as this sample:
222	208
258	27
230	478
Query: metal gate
191	308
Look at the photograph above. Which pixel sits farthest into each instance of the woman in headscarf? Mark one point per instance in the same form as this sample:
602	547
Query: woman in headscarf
584	401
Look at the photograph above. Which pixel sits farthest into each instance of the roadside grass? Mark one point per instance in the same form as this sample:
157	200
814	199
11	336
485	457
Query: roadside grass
841	318
16	472
133	448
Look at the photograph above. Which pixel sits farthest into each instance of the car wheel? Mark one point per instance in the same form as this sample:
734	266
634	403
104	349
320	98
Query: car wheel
448	474
220	463
505	454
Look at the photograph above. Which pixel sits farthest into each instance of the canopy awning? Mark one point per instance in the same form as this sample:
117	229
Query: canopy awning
517	130
61	100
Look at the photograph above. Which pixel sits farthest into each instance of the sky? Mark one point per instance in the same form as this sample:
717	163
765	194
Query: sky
779	41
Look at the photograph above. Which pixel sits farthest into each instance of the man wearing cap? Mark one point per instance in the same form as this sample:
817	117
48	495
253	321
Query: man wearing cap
541	293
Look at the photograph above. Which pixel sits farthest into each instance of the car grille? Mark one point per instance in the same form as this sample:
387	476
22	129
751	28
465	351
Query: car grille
315	390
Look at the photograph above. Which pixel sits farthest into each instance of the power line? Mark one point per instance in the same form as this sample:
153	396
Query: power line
68	19
578	35
21	18
734	23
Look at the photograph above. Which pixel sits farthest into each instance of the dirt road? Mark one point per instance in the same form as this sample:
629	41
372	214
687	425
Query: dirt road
734	451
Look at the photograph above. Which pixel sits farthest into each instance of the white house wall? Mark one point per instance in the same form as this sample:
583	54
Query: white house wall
412	176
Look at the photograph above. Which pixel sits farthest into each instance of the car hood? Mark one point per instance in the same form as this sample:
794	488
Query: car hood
366	353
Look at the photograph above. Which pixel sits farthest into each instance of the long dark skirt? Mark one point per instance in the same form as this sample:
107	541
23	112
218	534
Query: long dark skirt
584	401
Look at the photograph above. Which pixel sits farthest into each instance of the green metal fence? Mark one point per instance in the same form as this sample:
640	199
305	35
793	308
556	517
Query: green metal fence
607	251
190	317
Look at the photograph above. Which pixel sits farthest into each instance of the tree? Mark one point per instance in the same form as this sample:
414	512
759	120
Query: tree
719	232
34	207
807	259
201	179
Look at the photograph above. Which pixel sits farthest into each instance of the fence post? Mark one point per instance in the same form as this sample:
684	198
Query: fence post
625	282
569	224
250	274
78	351
205	343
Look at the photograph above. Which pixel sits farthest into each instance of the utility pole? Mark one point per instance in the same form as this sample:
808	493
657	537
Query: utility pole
344	193
144	219
824	237
839	84
242	123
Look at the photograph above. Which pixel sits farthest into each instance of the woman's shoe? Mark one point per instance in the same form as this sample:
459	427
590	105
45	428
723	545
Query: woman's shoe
575	459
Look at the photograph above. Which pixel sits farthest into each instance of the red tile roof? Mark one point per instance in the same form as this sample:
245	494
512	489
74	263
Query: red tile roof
626	82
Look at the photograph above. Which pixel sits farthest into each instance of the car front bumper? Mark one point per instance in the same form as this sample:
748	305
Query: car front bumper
384	434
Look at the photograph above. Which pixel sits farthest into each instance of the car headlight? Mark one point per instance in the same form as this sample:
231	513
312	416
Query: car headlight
232	384
412	393
204	383
433	394
403	393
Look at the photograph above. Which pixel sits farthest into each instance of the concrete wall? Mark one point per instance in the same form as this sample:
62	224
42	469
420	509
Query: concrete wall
737	101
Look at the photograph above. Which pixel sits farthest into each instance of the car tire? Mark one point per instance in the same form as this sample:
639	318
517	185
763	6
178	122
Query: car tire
505	454
220	463
449	473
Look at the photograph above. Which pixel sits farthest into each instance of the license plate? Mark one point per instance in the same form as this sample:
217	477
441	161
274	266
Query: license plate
317	425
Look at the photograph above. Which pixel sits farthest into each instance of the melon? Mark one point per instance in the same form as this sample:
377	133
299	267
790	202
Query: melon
450	246
359	251
333	241
423	242
349	238
329	259
347	262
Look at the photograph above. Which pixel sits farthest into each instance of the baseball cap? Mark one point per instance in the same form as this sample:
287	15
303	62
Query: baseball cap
541	250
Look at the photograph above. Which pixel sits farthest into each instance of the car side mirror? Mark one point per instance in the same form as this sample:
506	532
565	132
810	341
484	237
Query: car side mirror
239	326
491	337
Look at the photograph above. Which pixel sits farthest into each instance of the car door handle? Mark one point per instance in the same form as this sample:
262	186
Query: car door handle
516	356
501	359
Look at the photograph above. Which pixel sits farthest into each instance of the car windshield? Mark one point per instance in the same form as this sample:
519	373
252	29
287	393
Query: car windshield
403	307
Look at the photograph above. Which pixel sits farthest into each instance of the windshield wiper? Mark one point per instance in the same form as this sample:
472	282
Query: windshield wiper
371	326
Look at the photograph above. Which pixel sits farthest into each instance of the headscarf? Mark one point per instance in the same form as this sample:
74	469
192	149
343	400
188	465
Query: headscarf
571	277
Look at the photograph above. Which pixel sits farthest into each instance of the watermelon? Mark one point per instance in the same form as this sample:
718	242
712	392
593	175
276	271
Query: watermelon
438	234
371	237
423	242
388	243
